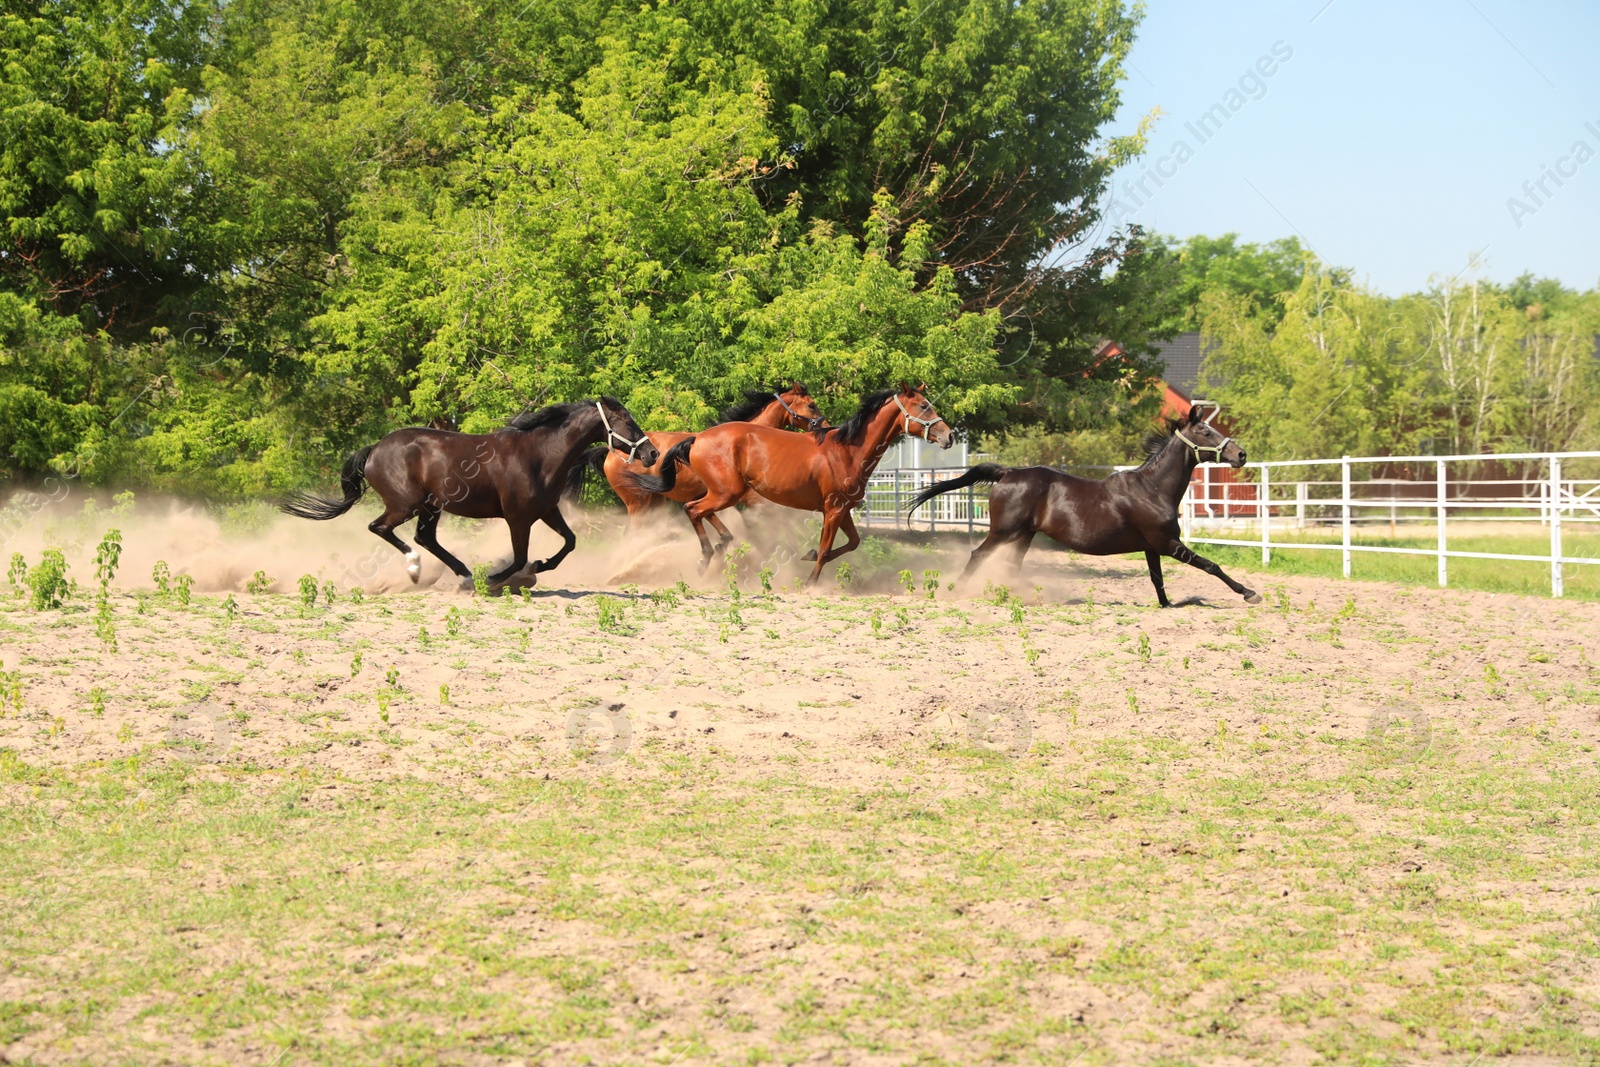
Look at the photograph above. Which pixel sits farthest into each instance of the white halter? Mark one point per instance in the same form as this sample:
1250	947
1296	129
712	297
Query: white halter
1216	450
613	437
910	418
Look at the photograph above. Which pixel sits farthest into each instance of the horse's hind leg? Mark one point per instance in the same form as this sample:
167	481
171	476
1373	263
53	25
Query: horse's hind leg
427	523
384	526
1184	554
724	534
1153	561
1019	548
995	539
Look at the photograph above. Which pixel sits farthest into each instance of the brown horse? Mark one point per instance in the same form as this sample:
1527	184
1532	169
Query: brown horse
793	408
1131	511
824	471
515	474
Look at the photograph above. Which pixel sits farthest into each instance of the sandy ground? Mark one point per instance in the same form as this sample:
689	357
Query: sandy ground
859	687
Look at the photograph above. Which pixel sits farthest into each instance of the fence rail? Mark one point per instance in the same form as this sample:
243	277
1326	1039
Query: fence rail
1247	507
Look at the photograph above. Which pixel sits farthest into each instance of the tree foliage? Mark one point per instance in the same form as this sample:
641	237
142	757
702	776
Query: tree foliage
244	237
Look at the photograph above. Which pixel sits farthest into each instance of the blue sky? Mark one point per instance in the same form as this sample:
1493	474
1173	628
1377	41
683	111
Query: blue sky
1390	139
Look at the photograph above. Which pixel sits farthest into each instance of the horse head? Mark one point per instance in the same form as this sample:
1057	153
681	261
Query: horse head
921	420
1205	439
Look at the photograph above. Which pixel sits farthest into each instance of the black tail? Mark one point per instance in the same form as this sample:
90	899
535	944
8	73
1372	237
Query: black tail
352	478
593	459
983	472
678	453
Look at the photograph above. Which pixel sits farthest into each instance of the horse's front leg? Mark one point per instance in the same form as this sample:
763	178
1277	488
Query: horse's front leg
1152	560
830	526
847	523
557	522
1184	554
519	549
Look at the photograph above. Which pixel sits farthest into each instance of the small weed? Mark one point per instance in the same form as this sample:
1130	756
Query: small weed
18	574
230	608
444	694
308	593
48	581
355	663
125	733
609	616
844	576
329	594
909	581
259	583
930	583
391	678
1144	649
452	622
106	557
383	708
97	702
162	576
480	580
1133	700
11	690
423	639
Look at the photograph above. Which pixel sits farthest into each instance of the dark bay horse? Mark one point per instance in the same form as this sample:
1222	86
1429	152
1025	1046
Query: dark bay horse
515	474
826	470
1131	511
793	408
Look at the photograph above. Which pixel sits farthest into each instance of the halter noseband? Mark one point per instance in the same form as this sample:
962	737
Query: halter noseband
811	424
1216	450
613	437
910	418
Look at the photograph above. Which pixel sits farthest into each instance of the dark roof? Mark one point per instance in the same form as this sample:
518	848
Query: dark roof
1180	360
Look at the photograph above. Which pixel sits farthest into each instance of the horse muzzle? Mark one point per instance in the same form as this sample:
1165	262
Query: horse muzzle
649	455
942	435
1237	460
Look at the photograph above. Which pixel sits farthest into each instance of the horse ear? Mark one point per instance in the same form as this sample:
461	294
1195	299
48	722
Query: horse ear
923	388
904	388
1194	414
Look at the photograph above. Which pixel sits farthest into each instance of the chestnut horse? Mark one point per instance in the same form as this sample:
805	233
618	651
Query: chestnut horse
514	474
1131	511
825	471
793	408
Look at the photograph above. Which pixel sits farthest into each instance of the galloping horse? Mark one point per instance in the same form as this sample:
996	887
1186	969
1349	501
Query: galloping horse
793	408
1131	511
826	470
514	474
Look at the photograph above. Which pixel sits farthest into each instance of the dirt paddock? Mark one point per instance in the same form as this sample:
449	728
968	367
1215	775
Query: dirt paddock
624	820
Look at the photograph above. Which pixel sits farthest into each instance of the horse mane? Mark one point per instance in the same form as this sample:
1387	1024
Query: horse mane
754	401
1155	442
555	414
850	430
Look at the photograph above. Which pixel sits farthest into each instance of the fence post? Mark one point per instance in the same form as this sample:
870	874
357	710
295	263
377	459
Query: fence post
1266	515
972	506
897	498
1205	476
1344	510
1300	493
1443	559
1556	585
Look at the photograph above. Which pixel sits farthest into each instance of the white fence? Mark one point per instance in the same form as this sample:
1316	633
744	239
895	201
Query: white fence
1246	508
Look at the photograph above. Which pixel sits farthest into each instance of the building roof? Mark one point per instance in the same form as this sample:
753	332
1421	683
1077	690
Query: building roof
1180	359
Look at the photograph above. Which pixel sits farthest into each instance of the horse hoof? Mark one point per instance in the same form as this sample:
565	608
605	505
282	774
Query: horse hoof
1252	598
413	565
810	557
